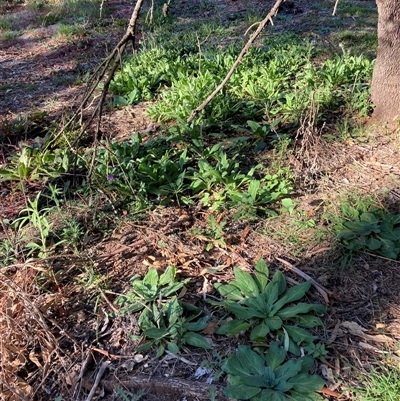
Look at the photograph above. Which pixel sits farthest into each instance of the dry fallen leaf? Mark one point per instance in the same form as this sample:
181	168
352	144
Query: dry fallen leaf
355	329
211	327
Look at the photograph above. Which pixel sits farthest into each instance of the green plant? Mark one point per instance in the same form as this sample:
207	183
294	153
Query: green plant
36	217
266	307
150	289
214	231
7	253
267	377
382	383
31	164
375	231
170	325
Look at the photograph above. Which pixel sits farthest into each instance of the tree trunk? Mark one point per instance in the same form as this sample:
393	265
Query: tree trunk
385	90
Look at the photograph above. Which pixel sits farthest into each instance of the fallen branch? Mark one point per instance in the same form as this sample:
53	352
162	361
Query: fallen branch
263	23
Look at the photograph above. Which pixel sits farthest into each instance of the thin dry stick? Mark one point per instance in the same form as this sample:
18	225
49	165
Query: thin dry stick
334	8
244	51
99	375
323	291
110	64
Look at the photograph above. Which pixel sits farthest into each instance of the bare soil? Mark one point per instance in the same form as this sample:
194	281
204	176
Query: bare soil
56	342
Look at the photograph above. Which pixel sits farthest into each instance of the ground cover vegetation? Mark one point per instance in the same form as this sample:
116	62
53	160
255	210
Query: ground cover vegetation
164	254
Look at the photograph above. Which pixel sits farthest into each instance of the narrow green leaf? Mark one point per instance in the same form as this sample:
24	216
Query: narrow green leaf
241	312
246	283
309	321
300	308
160	350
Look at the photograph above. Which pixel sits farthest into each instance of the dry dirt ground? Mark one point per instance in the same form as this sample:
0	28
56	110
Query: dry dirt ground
55	344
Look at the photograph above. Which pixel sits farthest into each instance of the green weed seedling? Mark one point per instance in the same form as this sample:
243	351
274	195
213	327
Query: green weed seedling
266	306
32	165
150	289
38	218
268	377
375	231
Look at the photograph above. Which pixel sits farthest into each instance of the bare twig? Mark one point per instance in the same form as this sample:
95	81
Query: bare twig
335	7
322	290
99	375
244	51
108	65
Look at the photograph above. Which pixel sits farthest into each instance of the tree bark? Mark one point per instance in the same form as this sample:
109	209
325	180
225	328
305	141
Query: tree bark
385	90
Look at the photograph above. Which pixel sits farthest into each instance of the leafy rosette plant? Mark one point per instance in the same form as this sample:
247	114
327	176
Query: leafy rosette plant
374	231
267	306
269	378
171	325
153	287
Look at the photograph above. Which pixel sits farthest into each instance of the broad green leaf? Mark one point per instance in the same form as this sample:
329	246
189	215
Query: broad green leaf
289	369
293	294
347	235
284	386
246	283
229	291
144	291
258	306
168	276
299	335
160	350
241	312
150	280
173	310
155	333
173	347
241	392
232	327
295	396
373	244
269	376
276	355
393	234
233	366
300	308
305	383
250	360
261	274
253	380
200	324
253	188
259	332
270	395
271	294
274	322
196	340
369	217
281	280
361	227
307	363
